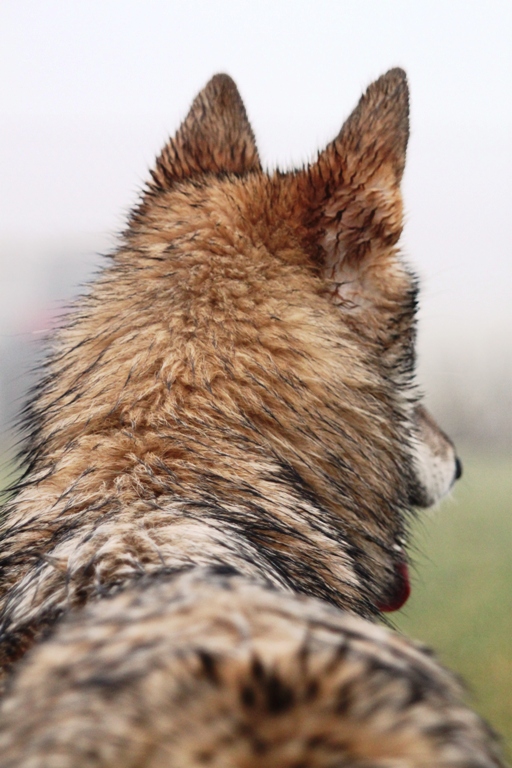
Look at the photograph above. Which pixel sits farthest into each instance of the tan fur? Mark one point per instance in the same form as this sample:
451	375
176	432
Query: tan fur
206	670
234	395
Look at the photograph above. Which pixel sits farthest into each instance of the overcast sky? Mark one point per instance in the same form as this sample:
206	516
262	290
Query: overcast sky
91	90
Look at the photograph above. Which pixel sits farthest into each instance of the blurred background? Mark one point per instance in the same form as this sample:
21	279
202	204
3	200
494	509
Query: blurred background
91	91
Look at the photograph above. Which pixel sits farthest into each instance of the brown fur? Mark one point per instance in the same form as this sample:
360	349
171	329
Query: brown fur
216	671
235	394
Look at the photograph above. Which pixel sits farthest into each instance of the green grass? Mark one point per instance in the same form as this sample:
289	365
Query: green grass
461	602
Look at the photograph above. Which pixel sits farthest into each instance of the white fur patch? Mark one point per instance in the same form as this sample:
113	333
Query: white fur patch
434	456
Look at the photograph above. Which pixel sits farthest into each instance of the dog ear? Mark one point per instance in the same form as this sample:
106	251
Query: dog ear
215	137
355	184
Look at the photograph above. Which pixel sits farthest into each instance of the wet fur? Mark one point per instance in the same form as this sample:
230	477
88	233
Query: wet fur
223	438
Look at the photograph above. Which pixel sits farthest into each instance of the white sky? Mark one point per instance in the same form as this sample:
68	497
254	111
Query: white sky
90	90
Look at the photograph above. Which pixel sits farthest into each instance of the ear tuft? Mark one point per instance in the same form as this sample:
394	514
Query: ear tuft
215	137
379	124
355	184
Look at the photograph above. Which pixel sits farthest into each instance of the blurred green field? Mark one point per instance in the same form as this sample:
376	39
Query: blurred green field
461	602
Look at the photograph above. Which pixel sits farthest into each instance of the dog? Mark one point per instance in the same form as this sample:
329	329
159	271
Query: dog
219	467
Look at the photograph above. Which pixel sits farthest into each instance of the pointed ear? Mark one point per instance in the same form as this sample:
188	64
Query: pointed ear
356	180
215	137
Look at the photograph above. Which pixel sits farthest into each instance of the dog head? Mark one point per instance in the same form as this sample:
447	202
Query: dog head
314	253
249	354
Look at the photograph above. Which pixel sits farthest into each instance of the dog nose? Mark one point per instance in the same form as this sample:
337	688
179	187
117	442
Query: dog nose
458	468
